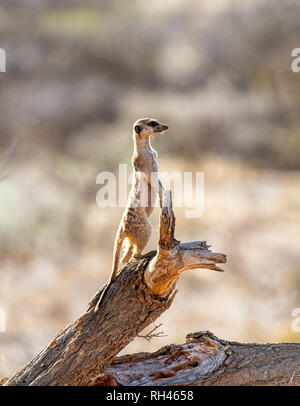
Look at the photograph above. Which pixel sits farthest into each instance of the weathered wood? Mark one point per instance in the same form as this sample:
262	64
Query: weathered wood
87	345
174	257
206	360
142	291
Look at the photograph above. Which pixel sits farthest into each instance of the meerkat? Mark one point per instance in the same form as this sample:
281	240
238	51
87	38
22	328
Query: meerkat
135	225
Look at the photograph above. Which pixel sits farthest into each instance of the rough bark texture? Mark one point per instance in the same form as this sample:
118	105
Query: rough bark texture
142	291
206	360
86	347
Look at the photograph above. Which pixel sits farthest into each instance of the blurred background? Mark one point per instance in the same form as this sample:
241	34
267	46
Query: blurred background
78	75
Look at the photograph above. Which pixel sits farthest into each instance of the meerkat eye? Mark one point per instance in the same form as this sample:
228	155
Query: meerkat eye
153	123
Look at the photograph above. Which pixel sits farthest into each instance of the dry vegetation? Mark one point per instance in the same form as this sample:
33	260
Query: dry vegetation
76	80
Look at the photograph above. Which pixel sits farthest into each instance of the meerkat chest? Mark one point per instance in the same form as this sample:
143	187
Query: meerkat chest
145	161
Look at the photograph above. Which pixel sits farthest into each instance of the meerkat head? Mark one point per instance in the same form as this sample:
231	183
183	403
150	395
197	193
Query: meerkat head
146	127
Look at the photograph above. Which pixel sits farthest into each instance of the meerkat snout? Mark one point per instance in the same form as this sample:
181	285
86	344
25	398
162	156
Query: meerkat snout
159	128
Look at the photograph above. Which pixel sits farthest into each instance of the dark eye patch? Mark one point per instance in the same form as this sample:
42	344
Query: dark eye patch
153	123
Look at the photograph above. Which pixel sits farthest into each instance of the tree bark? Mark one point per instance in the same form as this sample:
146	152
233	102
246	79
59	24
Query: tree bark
143	290
85	352
206	360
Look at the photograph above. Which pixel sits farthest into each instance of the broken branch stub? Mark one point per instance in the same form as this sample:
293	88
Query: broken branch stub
167	223
174	257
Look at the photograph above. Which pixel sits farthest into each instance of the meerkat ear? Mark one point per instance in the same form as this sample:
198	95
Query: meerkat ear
138	129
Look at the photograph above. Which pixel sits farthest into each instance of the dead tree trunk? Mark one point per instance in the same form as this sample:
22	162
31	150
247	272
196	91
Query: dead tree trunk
206	360
142	291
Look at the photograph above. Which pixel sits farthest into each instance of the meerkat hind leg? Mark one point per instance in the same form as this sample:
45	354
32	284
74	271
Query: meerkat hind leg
128	254
142	242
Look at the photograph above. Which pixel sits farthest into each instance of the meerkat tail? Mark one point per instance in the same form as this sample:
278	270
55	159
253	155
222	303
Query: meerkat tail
117	249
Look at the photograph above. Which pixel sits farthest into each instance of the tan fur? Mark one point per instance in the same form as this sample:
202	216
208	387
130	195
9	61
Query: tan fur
135	225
